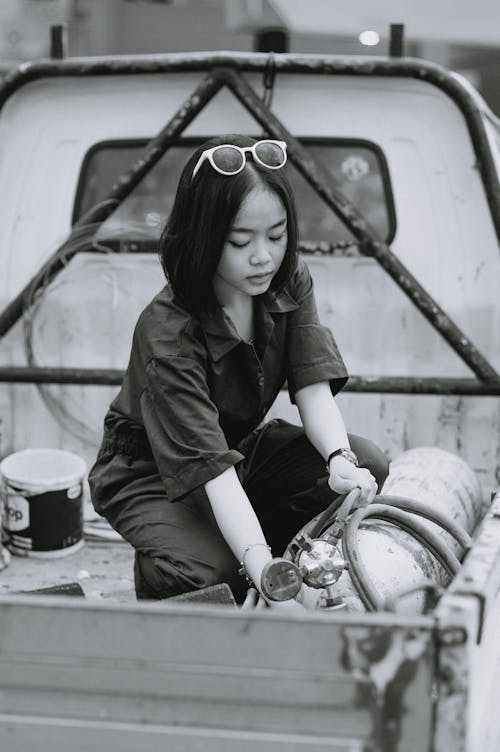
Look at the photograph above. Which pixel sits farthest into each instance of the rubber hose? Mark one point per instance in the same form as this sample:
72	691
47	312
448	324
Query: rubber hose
457	532
326	518
434	515
358	572
381	508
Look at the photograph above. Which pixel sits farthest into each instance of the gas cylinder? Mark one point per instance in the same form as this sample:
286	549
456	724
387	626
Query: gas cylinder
401	567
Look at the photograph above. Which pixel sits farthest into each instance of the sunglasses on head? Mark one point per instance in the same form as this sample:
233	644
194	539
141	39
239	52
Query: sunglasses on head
228	159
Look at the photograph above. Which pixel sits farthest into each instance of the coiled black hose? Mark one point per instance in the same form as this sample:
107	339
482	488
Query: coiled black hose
405	521
398	511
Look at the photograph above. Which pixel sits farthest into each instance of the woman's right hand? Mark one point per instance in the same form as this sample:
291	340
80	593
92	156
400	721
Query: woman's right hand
345	477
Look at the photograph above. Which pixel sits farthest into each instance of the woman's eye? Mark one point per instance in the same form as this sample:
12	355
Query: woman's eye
238	245
277	238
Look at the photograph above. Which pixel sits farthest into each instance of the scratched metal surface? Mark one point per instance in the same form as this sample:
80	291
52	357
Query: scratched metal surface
212	679
474	669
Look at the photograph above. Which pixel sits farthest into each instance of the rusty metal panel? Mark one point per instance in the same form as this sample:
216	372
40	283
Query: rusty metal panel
221	676
456	628
472	669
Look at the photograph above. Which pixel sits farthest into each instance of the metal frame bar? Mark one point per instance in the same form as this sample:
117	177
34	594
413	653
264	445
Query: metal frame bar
229	75
360	384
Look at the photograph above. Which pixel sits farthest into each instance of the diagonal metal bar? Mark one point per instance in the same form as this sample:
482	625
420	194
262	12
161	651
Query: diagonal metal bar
326	189
89	223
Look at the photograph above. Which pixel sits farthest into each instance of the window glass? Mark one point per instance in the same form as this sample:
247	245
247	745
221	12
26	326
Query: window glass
358	169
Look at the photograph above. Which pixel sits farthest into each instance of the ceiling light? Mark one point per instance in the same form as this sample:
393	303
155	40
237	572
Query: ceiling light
369	38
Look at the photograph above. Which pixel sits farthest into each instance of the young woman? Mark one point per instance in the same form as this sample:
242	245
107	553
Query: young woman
188	472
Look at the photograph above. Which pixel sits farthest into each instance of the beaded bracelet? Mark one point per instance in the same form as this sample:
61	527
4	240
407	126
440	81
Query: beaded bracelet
243	570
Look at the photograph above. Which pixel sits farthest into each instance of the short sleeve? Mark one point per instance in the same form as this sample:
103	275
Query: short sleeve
312	353
182	424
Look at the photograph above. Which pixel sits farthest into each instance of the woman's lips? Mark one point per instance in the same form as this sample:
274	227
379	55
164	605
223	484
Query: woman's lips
259	278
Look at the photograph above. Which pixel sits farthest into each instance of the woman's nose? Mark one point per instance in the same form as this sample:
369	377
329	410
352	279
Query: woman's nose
260	252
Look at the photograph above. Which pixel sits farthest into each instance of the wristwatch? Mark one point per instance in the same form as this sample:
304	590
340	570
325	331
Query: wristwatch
348	454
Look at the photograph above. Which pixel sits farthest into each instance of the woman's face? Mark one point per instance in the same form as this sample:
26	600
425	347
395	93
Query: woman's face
254	247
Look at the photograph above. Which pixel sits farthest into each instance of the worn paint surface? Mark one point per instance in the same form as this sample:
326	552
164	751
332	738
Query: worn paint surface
218	674
390	659
477	590
457	624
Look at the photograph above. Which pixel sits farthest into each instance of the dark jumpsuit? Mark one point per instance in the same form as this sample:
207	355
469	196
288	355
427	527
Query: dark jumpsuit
191	405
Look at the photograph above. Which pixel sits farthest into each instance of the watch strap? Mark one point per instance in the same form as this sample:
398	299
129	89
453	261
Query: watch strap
348	454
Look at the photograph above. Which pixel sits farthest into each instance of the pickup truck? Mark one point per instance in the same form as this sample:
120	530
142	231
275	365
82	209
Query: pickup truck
395	162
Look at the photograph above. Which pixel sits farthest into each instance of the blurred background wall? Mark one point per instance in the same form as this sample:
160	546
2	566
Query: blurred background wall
459	34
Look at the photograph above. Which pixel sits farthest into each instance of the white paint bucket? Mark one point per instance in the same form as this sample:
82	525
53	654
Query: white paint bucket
43	502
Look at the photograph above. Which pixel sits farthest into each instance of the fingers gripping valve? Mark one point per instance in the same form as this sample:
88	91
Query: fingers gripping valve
314	561
318	560
317	564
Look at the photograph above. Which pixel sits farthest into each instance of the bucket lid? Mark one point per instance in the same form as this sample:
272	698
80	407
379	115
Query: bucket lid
43	469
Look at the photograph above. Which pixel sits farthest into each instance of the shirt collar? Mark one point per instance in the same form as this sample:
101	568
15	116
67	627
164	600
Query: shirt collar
281	302
220	333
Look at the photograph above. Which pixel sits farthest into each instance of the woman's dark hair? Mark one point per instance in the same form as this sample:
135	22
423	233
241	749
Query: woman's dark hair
204	209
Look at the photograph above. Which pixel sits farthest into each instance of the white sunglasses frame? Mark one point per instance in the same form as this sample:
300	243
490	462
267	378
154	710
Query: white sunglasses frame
208	154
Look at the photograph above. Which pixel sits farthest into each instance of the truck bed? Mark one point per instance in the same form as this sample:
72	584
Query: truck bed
103	570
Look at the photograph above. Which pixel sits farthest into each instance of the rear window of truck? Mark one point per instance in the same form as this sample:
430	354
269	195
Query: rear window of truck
357	167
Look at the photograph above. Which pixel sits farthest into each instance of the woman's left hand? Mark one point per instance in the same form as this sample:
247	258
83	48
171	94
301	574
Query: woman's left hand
345	476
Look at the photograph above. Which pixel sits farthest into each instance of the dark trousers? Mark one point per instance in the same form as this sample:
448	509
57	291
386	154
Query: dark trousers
179	547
